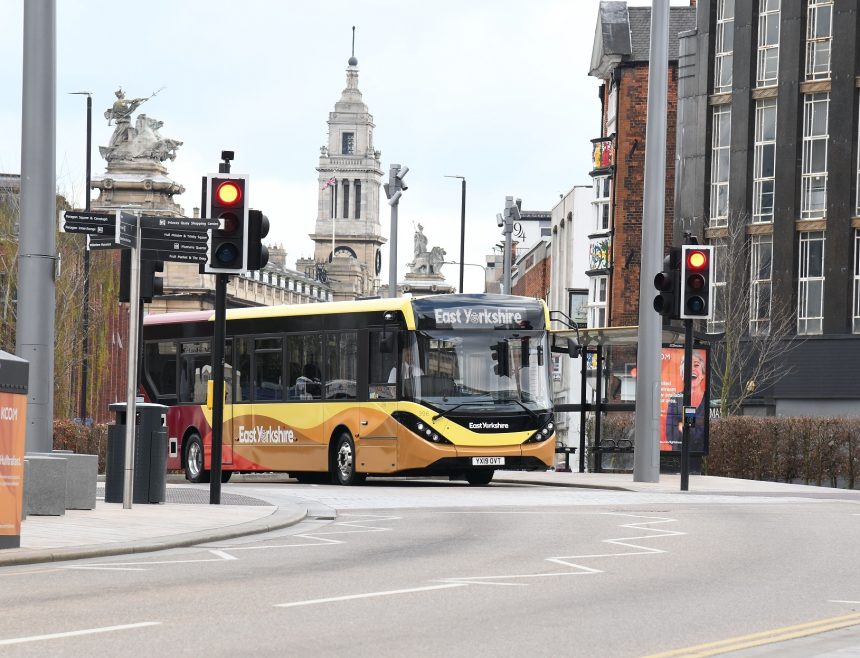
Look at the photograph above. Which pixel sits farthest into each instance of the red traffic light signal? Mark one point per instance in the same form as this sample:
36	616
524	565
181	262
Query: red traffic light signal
696	282
227	201
228	193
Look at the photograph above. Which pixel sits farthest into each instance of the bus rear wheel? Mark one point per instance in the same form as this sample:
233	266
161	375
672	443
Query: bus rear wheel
194	471
480	478
343	462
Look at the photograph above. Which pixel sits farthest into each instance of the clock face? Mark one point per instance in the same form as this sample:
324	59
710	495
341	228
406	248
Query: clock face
378	262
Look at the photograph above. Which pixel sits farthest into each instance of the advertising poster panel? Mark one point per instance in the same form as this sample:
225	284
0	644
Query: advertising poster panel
672	398
13	412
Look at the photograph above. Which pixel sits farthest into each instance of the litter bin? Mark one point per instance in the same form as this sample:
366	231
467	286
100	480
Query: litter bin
149	480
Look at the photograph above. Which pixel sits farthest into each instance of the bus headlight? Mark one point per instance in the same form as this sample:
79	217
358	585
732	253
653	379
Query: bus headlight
542	434
419	427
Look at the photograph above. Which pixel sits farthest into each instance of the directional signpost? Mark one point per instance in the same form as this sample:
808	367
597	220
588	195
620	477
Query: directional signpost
126	229
175	239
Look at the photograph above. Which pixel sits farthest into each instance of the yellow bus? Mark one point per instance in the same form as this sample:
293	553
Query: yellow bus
451	385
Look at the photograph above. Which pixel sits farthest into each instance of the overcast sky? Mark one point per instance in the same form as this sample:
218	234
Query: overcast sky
497	91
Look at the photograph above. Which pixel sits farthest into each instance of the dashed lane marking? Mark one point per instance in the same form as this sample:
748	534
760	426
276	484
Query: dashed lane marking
88	631
367	595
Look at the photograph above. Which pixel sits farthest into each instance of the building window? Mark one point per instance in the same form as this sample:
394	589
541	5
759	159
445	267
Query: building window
717	323
345	199
764	160
597	301
857	281
602	187
357	199
768	42
810	293
761	269
724	46
347	144
819	34
720	143
813	186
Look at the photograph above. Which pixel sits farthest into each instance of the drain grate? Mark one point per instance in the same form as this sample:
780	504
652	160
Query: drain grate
191	496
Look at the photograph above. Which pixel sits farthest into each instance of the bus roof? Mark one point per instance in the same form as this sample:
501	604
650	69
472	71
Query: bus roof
402	304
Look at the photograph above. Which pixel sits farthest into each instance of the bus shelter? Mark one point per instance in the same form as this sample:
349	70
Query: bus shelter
607	403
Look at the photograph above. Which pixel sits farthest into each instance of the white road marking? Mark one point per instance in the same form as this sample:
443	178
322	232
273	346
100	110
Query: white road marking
322	538
837	601
368	595
89	631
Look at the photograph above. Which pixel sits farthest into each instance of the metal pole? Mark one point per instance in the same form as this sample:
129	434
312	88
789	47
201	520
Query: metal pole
131	385
37	255
392	252
218	340
462	235
218	386
582	402
646	455
85	356
688	384
506	283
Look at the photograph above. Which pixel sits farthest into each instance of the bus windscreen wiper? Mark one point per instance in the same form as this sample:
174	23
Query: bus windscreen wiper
519	402
445	412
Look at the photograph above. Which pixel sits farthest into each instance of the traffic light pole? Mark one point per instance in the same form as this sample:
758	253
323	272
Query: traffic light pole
688	385
218	386
218	338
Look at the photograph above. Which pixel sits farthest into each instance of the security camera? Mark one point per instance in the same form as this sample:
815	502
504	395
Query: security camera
500	220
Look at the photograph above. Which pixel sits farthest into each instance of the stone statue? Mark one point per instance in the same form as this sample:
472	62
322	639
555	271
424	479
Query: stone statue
426	262
142	142
420	241
121	112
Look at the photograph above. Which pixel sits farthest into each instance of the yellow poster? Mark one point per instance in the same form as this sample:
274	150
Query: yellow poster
13	413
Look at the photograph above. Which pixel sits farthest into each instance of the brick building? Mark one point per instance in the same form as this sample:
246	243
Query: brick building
620	60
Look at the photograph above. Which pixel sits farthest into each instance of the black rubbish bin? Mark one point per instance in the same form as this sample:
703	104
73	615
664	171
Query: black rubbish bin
149	483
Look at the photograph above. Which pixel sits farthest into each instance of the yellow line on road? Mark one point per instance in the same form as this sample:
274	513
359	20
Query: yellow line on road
758	639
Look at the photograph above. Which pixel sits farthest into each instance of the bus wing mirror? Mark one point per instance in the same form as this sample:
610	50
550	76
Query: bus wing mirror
570	346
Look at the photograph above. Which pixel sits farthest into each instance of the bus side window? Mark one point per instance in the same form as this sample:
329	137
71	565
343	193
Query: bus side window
341	365
160	368
242	370
383	360
268	375
303	370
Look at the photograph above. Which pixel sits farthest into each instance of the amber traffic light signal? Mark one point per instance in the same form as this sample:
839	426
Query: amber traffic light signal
697	269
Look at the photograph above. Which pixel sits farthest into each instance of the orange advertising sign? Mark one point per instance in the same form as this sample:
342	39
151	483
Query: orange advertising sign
13	413
671	399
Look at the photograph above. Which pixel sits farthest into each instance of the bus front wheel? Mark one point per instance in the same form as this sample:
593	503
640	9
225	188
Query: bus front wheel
480	478
343	462
194	471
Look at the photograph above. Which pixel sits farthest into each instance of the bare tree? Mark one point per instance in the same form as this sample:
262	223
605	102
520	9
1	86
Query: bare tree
758	331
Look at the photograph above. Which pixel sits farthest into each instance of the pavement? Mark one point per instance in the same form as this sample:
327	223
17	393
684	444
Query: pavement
186	518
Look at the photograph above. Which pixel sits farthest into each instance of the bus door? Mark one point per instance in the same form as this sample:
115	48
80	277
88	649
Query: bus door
377	446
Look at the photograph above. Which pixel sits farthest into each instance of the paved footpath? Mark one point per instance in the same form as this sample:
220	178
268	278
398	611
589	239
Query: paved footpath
187	518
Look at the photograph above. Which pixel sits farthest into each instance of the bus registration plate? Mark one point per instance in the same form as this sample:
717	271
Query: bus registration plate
488	461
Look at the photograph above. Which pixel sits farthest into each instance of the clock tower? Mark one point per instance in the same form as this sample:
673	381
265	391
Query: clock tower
347	235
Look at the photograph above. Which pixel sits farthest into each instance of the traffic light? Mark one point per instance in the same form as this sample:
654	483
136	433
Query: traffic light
258	228
500	356
151	285
697	269
667	303
227	201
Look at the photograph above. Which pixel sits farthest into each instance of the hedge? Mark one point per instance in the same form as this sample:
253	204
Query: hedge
797	449
81	439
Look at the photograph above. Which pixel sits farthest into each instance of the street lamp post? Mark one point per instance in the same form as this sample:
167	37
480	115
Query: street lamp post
86	318
394	189
462	228
506	223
